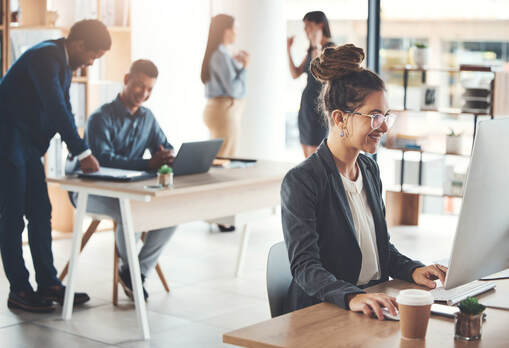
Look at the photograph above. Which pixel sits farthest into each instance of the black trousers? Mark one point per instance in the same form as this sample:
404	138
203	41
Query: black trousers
24	193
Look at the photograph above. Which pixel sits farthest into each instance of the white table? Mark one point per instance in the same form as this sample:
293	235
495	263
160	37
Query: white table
239	192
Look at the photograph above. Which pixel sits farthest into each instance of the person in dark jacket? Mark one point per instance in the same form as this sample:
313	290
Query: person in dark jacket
333	213
34	106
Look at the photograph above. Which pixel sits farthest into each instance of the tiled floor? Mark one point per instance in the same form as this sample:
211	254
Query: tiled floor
206	300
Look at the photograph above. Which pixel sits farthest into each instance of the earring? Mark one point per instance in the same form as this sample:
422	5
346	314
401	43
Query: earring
342	133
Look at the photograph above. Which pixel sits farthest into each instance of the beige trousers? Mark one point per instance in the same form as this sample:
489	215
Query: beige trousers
222	117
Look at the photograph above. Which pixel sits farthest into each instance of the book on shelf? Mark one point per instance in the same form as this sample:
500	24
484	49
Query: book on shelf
115	13
23	39
476	67
77	96
500	90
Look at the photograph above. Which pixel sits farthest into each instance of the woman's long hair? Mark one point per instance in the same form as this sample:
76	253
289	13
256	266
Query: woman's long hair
319	17
218	25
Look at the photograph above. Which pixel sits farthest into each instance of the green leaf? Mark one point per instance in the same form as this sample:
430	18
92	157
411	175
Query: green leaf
165	169
471	306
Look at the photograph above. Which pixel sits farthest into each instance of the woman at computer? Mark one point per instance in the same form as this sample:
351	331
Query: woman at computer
332	209
224	76
312	129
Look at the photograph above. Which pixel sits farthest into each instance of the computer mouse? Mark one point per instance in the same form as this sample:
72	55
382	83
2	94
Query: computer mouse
388	315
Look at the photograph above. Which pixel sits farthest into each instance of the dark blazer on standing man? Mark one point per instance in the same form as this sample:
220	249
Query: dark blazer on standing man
34	103
318	228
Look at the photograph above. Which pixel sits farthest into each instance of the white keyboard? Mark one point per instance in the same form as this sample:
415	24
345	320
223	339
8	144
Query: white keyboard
459	293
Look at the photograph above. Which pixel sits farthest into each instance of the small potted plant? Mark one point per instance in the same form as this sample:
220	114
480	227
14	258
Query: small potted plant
453	142
468	322
420	55
165	176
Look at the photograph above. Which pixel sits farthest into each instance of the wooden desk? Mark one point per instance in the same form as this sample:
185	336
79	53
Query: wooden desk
325	325
216	194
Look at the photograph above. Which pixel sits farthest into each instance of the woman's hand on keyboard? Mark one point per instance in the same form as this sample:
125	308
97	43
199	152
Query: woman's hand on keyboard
427	275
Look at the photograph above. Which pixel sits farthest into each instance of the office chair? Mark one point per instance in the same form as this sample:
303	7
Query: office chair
279	277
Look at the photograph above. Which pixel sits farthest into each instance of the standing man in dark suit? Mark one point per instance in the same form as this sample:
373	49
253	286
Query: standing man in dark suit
34	106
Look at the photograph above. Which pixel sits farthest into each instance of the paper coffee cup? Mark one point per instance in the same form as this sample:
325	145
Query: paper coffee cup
414	311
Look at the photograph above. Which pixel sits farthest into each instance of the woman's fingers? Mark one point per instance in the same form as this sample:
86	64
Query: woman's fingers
375	306
386	301
394	302
435	273
442	273
366	309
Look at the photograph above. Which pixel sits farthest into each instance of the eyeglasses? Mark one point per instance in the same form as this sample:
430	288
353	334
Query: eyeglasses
378	119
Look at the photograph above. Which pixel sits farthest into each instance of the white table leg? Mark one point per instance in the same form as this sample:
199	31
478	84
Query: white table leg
134	267
242	249
75	254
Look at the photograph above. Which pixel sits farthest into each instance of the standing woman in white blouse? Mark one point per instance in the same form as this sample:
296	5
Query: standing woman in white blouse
224	76
333	213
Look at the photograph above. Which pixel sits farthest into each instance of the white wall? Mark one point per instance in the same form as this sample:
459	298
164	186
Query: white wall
173	34
262	32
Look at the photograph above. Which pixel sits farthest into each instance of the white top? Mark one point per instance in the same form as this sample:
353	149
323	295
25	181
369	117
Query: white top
364	228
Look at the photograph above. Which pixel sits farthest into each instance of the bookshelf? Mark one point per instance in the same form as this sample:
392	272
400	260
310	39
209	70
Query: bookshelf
41	22
403	200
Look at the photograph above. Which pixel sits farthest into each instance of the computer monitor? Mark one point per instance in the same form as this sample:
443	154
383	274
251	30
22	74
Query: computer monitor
481	243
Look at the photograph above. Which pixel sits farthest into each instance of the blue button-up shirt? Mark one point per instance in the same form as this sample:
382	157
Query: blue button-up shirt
119	139
227	76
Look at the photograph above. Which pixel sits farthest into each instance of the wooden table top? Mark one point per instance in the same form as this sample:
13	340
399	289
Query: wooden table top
262	171
325	325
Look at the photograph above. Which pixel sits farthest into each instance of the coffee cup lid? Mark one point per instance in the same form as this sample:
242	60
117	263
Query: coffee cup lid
414	297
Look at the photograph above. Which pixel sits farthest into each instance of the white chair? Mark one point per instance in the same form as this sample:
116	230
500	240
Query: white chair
279	277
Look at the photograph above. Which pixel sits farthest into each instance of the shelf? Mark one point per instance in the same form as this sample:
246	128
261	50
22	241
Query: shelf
37	27
119	29
473	68
426	152
80	79
415	68
422	190
444	111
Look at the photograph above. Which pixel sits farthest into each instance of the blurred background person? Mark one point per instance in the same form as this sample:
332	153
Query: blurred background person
312	128
224	76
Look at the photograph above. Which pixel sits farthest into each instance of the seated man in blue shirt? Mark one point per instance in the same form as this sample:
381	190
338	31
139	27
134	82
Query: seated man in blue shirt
118	134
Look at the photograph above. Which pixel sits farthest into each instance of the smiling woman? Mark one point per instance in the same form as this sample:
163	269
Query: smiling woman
332	209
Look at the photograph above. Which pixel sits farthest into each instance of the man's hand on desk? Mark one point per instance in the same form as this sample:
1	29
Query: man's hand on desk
427	275
89	164
372	304
163	156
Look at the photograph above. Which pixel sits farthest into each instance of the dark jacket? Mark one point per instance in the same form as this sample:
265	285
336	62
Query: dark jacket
319	232
34	103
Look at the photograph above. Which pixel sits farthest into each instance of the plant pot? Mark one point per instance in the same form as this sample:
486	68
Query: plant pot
165	180
453	144
421	57
468	327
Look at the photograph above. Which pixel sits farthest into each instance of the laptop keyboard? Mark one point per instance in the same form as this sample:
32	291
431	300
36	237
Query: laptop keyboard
459	293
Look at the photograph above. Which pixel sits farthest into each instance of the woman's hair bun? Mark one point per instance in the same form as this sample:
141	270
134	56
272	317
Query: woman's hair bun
336	62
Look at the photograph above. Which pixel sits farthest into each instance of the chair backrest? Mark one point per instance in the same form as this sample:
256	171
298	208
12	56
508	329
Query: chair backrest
279	277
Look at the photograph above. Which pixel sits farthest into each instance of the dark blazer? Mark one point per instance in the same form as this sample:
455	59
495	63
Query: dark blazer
34	103
319	232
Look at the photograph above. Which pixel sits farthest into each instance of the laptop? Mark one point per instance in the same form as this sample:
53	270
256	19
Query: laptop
196	157
114	174
481	242
192	158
